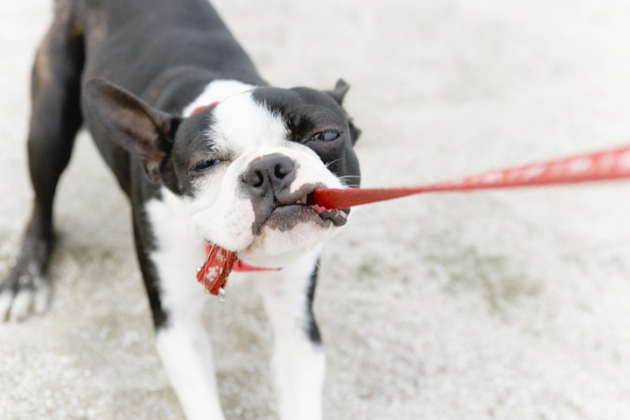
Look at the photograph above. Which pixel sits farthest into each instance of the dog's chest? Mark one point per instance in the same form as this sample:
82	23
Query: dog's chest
178	248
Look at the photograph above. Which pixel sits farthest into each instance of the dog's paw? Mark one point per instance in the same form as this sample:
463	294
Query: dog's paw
26	290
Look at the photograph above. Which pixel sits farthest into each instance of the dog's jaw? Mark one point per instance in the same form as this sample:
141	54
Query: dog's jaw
263	236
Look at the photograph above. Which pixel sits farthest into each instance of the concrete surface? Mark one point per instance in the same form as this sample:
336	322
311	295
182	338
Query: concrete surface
507	305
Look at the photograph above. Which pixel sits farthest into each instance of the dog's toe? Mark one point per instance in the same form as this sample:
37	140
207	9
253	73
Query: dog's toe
6	300
22	295
21	306
41	298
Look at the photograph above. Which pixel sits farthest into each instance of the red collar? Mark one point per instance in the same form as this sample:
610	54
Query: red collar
219	264
202	107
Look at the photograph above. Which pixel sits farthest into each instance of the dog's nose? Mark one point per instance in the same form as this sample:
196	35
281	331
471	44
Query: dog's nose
271	173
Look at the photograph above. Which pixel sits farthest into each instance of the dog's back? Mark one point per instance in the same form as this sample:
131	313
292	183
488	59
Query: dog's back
137	44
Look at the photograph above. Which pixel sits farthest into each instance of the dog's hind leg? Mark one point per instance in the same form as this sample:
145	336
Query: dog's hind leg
298	362
55	120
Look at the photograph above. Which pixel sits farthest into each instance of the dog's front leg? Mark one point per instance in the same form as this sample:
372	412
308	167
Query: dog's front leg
186	355
298	360
168	264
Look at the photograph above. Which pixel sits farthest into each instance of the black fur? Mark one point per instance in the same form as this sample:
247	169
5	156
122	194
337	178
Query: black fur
306	112
311	329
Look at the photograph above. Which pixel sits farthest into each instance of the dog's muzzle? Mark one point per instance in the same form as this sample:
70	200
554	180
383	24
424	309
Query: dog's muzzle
267	181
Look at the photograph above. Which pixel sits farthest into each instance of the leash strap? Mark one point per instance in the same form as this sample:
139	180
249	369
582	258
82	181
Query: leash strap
603	165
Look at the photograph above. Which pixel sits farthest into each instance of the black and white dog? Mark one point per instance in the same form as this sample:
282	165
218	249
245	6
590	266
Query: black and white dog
237	174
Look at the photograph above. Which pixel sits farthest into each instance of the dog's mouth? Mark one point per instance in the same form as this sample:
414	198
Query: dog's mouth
284	214
338	217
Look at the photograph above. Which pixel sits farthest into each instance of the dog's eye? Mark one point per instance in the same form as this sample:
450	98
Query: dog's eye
326	136
204	164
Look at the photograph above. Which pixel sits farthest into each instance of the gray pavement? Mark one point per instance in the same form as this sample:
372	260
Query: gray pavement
493	305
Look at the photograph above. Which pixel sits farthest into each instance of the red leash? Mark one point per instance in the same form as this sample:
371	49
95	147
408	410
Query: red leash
598	166
604	165
202	107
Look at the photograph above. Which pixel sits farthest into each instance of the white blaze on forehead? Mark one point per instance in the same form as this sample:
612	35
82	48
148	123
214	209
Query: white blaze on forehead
216	91
242	124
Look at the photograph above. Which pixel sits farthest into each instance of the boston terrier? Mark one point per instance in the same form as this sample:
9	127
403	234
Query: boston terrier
208	153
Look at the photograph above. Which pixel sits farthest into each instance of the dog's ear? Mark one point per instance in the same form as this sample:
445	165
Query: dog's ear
338	93
340	90
137	127
355	132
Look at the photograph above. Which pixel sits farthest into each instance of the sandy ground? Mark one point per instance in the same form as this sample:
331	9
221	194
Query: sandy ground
507	305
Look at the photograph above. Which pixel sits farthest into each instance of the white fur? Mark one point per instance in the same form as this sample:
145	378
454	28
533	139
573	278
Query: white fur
298	364
21	305
182	344
17	307
186	355
215	92
243	126
6	300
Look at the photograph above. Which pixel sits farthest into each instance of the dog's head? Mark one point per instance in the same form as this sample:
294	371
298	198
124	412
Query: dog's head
246	166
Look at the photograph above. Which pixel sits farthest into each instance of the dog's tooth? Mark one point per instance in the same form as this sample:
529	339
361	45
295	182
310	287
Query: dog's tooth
318	209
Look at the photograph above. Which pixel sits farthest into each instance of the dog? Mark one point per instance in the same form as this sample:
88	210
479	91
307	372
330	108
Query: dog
208	153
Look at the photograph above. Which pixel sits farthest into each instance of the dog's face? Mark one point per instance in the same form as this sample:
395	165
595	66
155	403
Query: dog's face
247	166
